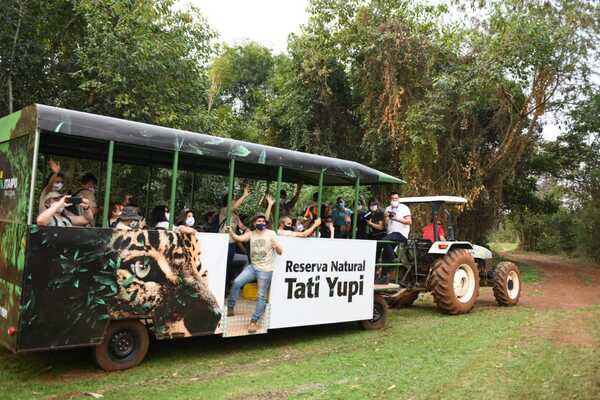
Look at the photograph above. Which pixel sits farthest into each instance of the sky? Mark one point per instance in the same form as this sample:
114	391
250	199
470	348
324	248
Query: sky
269	22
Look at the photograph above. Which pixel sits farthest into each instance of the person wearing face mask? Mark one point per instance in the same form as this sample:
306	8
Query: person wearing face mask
397	219
115	213
129	219
374	219
186	222
55	214
263	247
341	218
55	182
87	191
286	228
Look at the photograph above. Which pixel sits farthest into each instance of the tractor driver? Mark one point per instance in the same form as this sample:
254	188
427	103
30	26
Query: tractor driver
427	231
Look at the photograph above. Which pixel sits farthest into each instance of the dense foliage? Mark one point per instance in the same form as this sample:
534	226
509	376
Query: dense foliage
448	97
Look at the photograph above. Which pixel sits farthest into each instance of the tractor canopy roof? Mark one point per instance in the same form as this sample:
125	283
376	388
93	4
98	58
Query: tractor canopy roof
434	199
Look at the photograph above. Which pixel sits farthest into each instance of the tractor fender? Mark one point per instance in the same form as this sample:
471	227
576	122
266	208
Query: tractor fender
481	252
442	247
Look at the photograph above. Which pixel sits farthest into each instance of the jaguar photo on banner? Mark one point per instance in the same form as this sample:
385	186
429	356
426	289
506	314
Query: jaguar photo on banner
81	278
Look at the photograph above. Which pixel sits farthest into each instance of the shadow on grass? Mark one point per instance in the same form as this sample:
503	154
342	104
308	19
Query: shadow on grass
78	363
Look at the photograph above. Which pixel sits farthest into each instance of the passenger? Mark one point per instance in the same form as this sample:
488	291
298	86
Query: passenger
397	219
159	218
311	211
427	231
56	215
263	245
87	191
326	230
129	219
115	212
235	220
287	206
286	228
341	218
186	222
55	182
375	221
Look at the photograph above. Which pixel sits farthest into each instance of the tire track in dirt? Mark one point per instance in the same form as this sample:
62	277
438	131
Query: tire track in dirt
565	285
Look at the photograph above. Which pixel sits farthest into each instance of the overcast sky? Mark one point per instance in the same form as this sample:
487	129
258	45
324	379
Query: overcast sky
269	22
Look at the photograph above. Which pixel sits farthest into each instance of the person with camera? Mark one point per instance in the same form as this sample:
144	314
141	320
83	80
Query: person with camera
397	219
374	221
56	215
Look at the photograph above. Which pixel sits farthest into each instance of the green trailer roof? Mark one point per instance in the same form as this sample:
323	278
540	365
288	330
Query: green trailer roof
204	152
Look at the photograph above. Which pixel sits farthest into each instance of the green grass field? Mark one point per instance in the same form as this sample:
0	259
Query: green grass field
491	353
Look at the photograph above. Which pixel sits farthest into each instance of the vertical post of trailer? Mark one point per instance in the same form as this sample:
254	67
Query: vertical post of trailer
355	213
109	165
148	183
435	208
230	190
278	198
36	147
320	195
174	172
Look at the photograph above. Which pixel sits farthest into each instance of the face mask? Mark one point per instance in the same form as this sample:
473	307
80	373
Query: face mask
134	224
190	221
341	204
167	216
395	203
373	208
57	187
92	189
261	227
300	227
288	228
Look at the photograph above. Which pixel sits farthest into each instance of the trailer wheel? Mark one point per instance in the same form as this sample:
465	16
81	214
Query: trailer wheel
455	282
507	284
380	312
124	346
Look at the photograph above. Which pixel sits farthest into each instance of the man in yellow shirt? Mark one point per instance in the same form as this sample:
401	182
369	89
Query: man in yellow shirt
263	246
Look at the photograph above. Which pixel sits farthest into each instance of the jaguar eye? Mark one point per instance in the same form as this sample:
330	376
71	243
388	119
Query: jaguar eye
140	270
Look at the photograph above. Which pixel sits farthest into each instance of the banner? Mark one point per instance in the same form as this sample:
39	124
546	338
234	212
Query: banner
213	255
322	281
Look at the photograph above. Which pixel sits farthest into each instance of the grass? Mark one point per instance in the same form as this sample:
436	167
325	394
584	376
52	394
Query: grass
490	353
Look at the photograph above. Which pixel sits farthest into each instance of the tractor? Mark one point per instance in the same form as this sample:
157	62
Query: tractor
452	270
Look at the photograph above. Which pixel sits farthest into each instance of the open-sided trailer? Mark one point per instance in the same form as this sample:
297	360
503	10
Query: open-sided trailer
109	289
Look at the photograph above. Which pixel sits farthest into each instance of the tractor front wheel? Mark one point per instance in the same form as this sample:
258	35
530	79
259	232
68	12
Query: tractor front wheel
455	282
507	284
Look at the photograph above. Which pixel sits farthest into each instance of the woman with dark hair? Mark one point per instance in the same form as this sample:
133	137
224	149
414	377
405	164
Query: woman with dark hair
159	218
186	221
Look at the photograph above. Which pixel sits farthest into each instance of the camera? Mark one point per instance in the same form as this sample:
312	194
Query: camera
74	200
391	214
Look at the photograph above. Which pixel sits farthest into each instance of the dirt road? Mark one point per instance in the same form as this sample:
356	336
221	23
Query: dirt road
564	284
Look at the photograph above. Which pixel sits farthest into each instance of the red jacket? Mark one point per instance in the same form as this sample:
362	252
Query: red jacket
428	232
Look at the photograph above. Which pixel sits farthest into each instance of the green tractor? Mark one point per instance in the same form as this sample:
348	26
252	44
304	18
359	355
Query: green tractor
452	270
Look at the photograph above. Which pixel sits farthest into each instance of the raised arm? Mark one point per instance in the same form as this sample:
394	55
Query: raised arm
238	238
270	202
240	201
55	167
308	232
294	199
86	218
46	216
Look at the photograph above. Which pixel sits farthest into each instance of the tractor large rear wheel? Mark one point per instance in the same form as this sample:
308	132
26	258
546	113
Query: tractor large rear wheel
455	282
507	284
